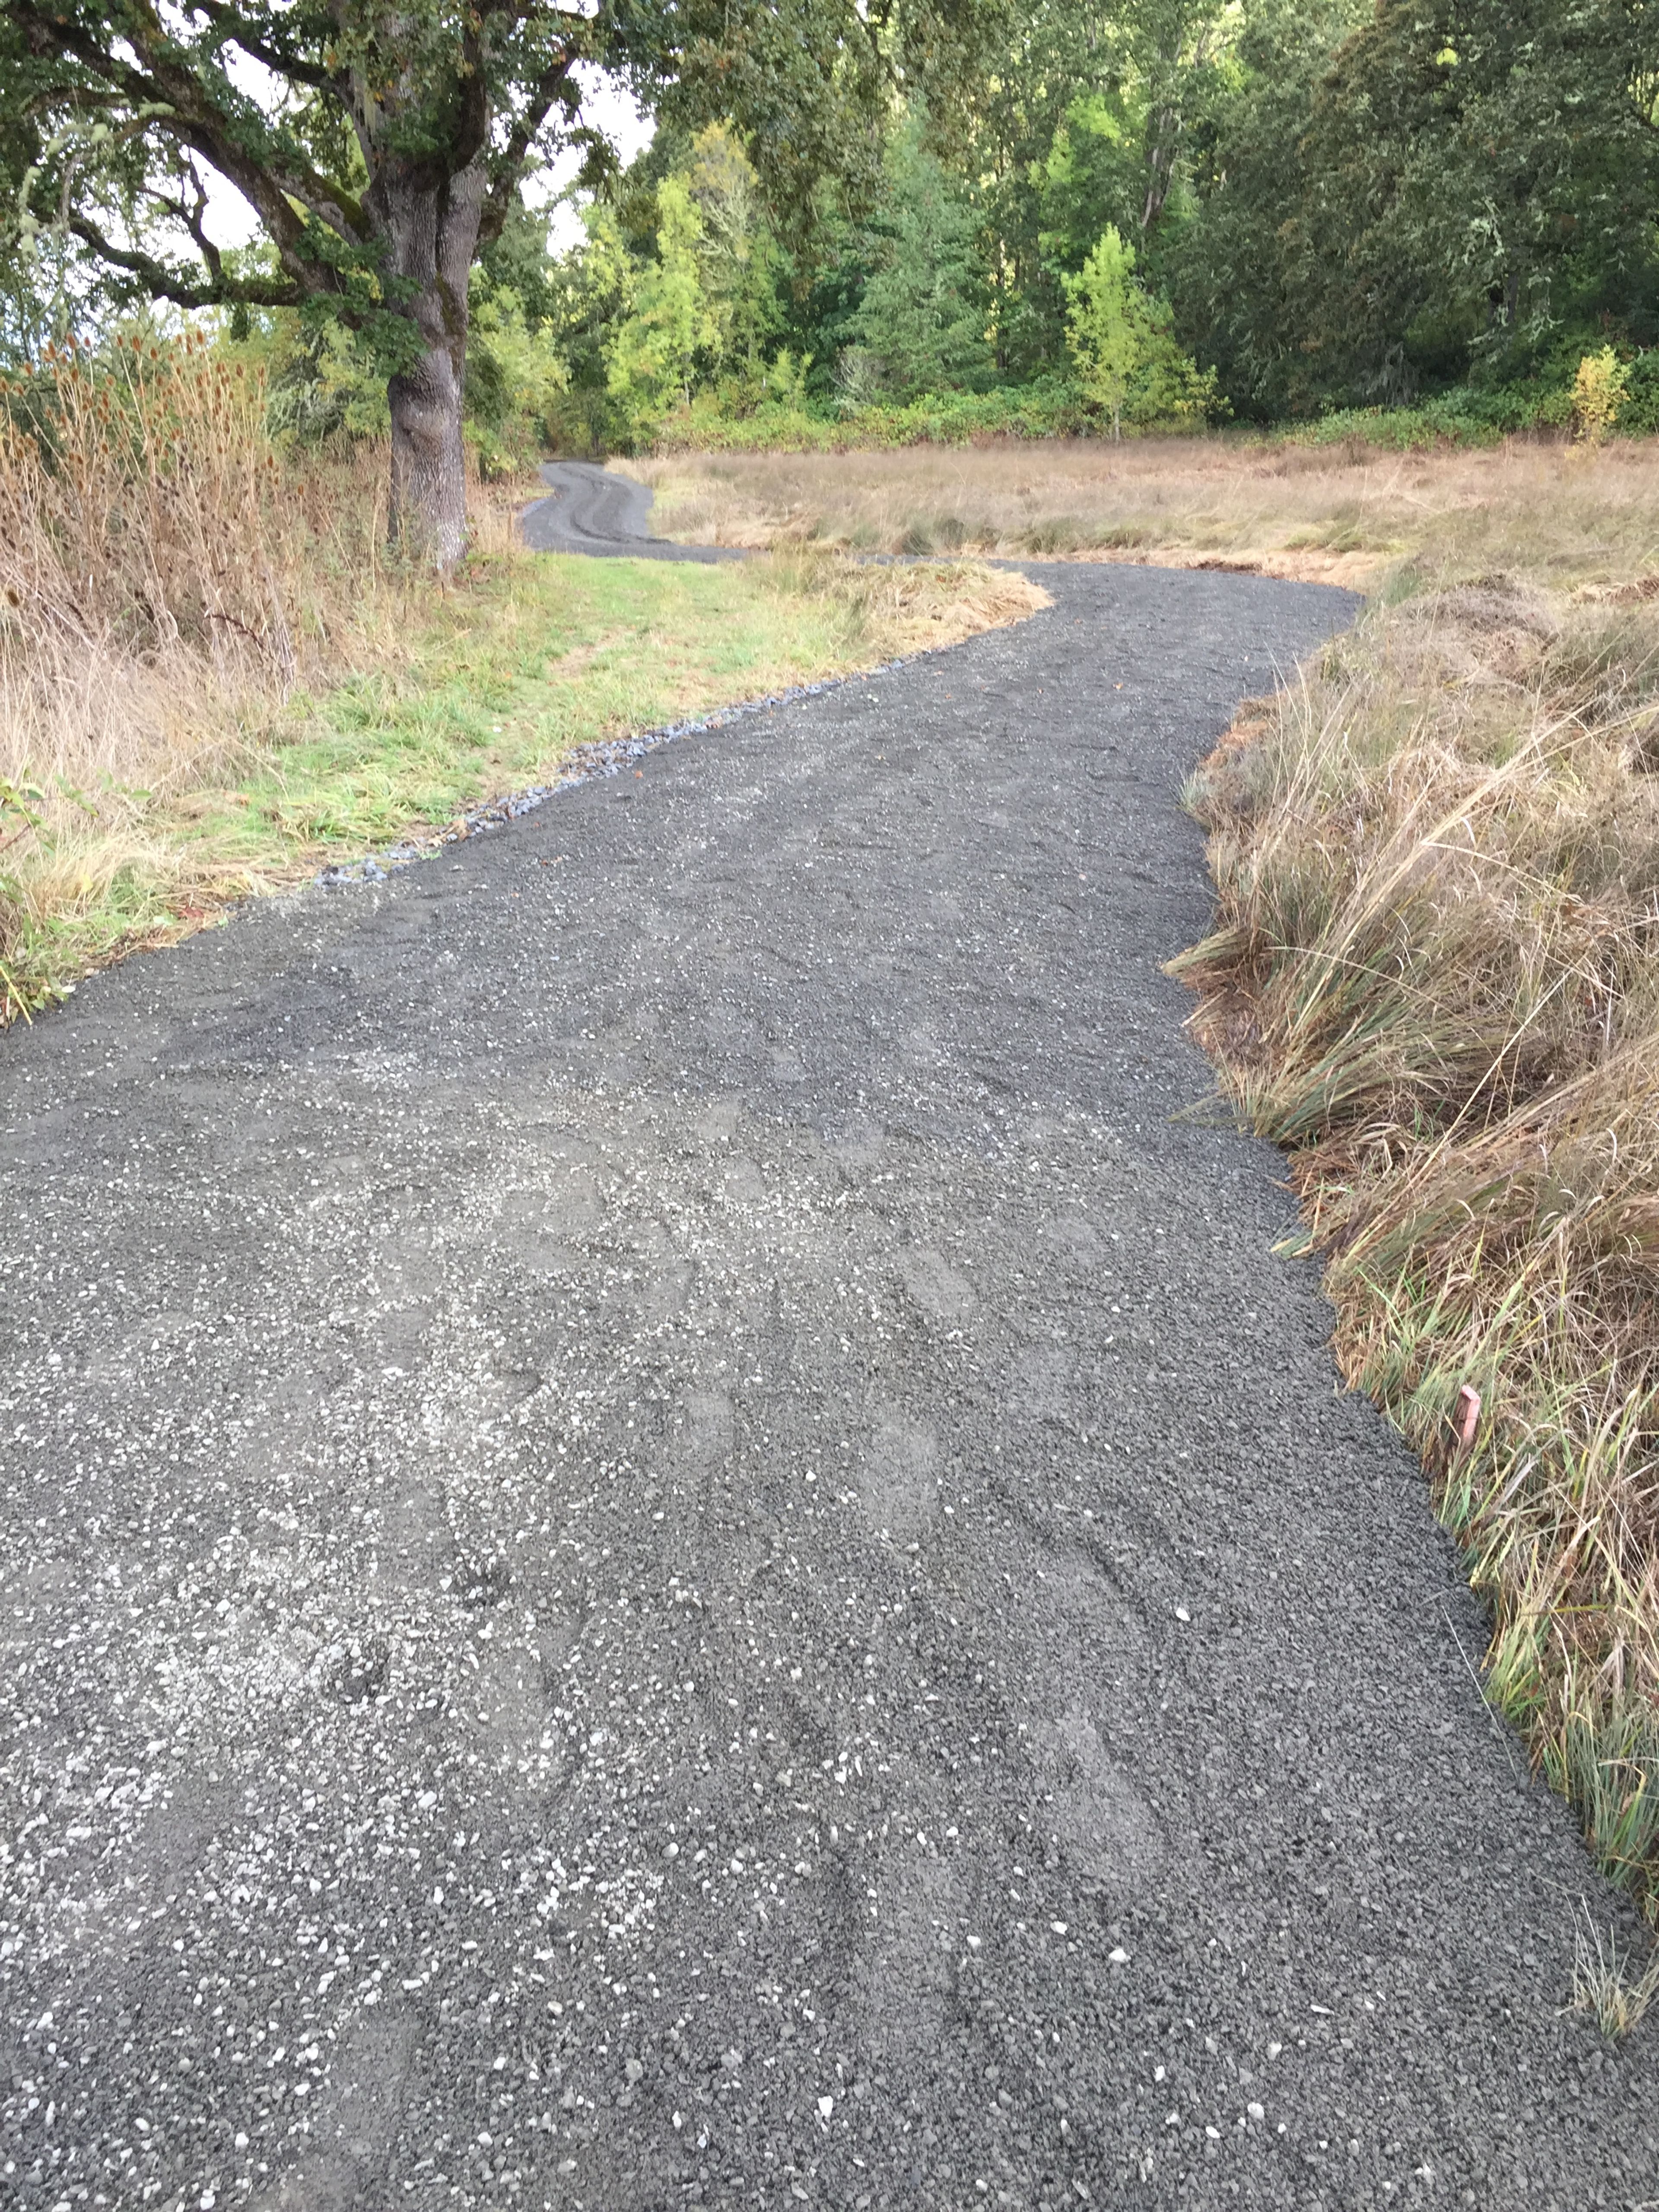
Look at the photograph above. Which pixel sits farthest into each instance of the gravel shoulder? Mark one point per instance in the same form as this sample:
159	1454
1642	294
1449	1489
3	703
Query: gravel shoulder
665	1542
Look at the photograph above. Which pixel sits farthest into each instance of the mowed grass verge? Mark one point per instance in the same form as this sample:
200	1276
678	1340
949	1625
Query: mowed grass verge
527	659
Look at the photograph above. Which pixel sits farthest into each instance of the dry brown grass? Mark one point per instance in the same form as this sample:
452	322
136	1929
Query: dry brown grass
923	606
1435	979
165	584
1613	1986
161	571
1337	514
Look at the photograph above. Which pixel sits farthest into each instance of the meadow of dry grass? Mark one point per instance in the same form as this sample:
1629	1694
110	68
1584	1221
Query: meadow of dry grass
1344	514
162	572
213	679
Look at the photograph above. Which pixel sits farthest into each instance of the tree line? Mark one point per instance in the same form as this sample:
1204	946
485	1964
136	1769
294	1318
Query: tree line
1069	214
1321	204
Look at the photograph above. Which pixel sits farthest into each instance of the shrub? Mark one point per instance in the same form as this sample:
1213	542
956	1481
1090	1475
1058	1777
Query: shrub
1049	409
1121	340
1598	392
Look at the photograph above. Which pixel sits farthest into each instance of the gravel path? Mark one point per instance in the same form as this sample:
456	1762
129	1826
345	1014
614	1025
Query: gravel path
589	510
665	1543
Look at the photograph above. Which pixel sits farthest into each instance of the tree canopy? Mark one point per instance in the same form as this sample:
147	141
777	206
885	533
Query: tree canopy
383	150
848	204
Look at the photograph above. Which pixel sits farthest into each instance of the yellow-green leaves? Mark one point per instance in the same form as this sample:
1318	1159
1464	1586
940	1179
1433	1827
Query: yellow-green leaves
1598	393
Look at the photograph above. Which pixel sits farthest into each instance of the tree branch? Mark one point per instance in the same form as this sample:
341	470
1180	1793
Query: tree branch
191	217
509	164
65	38
280	61
164	284
205	128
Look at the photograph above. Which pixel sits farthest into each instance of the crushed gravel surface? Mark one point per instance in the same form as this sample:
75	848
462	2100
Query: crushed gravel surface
590	510
665	1543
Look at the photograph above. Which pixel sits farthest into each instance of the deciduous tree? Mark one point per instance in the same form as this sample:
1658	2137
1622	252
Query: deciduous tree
381	149
1107	326
1123	344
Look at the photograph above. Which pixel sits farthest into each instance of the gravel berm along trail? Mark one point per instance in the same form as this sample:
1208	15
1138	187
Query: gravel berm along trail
665	1542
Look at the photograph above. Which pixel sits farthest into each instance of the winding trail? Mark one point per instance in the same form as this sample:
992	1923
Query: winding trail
589	510
666	1543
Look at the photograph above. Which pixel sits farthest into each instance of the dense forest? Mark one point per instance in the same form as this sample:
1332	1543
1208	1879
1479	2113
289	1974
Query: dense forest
1109	214
1318	205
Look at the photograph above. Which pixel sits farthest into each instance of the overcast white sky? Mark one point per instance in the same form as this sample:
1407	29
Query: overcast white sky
605	104
609	106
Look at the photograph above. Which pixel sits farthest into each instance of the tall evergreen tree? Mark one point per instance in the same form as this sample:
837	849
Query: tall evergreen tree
923	312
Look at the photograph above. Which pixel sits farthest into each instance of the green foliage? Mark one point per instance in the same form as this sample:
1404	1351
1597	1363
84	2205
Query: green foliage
741	265
323	383
592	290
1107	326
668	323
1238	271
1048	408
383	150
1092	179
1126	358
922	316
1638	412
516	380
676	290
1456	418
1435	206
1392	201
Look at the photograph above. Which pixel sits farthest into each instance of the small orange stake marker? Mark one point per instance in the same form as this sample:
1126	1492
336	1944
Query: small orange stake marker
1465	1415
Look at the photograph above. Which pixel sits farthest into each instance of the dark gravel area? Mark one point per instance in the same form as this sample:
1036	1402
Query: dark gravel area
664	1541
589	510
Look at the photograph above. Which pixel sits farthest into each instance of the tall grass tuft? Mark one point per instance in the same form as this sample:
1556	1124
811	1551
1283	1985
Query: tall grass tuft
137	499
166	580
1434	978
1614	1988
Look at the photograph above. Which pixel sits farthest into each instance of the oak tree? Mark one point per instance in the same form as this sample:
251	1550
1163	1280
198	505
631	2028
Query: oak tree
382	147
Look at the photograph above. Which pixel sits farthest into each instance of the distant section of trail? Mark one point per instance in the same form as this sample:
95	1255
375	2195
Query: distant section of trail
588	510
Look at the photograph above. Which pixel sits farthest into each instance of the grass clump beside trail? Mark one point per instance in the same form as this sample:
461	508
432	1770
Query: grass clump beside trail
213	680
1434	978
